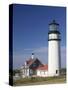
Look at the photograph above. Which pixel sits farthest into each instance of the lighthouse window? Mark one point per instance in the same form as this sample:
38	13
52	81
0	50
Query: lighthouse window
56	71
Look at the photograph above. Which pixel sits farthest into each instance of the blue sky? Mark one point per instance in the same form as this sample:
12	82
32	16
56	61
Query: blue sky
30	32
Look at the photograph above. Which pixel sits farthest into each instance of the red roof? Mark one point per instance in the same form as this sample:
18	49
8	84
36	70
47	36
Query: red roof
29	62
43	67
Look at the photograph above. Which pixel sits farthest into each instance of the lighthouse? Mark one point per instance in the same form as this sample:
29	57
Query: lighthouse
54	59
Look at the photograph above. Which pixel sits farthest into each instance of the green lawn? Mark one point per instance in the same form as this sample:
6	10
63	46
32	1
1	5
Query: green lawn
39	80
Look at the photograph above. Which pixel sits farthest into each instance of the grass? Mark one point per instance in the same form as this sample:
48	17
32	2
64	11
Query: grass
39	80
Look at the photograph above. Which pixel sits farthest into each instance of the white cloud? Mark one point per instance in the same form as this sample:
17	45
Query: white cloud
28	49
41	50
36	50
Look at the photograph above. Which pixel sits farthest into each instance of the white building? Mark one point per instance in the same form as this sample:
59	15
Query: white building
54	49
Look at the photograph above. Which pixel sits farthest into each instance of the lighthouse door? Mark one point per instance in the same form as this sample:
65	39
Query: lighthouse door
56	71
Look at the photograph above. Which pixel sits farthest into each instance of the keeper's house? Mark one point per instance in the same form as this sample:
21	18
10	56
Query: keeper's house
34	68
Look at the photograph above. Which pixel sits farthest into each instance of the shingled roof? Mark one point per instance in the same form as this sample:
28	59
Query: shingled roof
30	61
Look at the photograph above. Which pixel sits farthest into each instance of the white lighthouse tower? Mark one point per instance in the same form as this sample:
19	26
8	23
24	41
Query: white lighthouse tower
54	49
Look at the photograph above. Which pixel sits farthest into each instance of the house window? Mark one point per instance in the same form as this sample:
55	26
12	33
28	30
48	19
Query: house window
31	72
34	65
56	71
40	72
